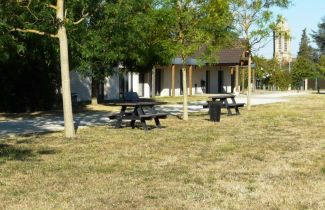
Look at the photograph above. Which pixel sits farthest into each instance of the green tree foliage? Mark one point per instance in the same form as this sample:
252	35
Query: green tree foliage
265	69
281	79
28	83
272	67
305	50
122	32
319	35
261	66
191	25
53	19
303	69
255	23
321	65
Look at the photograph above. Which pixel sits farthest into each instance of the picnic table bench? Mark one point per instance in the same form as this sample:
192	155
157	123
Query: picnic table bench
225	104
138	114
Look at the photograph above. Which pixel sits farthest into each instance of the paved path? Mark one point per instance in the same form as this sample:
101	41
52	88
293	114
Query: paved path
47	124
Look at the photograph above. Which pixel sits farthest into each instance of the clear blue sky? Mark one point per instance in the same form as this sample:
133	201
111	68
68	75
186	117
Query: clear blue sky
303	14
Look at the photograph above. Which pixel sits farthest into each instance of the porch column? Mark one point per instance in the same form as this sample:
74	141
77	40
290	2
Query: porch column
232	79
254	80
173	80
237	78
243	80
190	78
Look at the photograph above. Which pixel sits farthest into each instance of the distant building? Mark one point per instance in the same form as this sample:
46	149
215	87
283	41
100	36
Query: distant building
282	42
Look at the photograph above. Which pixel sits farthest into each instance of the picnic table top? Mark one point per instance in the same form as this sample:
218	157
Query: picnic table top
147	103
222	96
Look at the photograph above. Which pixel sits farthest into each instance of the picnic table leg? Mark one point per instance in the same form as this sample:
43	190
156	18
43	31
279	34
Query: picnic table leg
236	108
143	121
153	111
134	114
228	108
144	125
119	117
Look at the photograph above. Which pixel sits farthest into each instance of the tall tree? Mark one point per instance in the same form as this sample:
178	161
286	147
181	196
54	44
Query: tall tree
49	19
305	50
302	69
255	23
191	25
124	33
319	36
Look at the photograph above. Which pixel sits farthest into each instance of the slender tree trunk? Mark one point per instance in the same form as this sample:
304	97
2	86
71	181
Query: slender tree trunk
185	111
65	74
249	90
94	91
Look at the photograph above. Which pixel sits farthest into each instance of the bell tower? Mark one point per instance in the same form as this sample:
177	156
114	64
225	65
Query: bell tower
282	41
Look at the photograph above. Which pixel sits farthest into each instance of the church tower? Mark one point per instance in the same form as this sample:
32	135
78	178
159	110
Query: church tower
282	42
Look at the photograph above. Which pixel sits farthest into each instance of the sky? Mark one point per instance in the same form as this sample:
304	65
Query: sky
303	14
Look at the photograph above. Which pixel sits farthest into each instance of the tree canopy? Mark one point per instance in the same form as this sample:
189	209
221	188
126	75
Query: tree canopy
191	25
122	33
305	50
319	35
254	21
303	69
52	19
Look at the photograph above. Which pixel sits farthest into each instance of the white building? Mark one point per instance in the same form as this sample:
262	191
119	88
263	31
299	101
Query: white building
221	77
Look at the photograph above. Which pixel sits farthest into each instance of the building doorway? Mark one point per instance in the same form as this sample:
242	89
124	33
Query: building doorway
141	84
100	89
158	80
220	82
207	83
123	83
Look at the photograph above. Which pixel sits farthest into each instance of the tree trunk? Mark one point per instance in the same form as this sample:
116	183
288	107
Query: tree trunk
65	74
94	91
185	111
249	83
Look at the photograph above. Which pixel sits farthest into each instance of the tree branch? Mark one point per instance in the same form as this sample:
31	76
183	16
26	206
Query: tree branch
82	19
35	32
51	6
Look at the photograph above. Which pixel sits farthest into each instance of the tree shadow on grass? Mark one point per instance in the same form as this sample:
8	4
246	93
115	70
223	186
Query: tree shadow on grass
13	152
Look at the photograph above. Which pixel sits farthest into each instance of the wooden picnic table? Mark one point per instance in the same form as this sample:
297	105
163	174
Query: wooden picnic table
138	114
225	104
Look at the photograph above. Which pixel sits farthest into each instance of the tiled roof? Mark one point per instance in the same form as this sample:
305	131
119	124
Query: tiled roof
225	55
230	55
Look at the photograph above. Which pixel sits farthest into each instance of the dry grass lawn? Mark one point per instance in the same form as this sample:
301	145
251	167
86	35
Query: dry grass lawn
270	158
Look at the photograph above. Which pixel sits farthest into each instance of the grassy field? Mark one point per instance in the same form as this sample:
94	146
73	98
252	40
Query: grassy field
272	157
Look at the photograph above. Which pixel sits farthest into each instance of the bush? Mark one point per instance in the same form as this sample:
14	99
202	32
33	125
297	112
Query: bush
281	79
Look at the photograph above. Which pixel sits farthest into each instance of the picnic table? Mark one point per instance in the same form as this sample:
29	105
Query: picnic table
225	104
138	114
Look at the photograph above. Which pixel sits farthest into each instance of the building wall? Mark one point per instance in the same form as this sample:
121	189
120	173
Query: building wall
111	88
198	74
82	86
